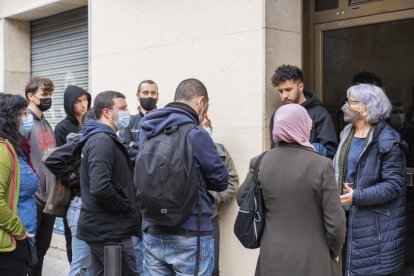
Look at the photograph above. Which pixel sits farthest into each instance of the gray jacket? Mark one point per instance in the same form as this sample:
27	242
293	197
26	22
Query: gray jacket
230	192
41	139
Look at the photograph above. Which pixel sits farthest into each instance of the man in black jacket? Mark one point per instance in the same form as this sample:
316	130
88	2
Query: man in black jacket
147	95
288	81
109	212
76	102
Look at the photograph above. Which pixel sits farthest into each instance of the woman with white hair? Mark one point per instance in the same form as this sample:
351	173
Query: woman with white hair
370	171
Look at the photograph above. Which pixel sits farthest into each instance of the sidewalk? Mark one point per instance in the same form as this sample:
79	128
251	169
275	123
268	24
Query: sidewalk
56	262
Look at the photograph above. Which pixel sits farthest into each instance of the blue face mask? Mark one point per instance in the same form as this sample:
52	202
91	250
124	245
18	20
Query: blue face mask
27	124
123	120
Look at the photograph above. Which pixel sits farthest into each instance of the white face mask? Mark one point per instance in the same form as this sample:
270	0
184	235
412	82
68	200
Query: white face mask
208	129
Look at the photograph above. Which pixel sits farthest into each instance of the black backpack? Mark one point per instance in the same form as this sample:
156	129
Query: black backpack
165	177
250	220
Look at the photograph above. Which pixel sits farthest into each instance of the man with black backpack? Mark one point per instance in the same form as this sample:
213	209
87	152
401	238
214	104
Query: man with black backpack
177	163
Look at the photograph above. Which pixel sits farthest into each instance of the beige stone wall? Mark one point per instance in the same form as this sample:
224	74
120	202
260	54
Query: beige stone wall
219	42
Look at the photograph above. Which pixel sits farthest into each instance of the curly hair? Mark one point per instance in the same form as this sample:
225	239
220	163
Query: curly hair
286	72
10	107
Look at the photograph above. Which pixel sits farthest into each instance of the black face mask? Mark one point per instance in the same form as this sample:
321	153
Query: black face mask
45	104
148	103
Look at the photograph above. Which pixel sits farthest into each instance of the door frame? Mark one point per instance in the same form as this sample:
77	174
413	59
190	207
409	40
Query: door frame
317	68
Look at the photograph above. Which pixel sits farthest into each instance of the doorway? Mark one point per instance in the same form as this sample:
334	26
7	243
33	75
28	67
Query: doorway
381	43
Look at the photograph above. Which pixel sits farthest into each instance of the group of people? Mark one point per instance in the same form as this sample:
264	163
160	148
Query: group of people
93	152
346	217
330	208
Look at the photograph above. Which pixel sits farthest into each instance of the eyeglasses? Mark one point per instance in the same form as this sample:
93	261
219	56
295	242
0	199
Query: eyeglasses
351	102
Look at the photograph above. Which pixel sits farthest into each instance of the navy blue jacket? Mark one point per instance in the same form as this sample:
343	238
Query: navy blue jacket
377	217
208	162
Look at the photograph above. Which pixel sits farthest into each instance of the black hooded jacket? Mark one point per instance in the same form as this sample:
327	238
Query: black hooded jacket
70	123
323	130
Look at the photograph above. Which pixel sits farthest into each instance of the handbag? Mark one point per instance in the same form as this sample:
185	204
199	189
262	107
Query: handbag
59	197
250	220
7	241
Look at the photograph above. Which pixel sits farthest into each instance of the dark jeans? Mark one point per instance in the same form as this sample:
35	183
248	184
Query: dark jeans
129	266
216	235
14	263
44	231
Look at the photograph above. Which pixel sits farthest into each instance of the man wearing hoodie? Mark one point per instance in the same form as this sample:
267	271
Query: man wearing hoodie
39	92
173	250
76	102
109	212
288	81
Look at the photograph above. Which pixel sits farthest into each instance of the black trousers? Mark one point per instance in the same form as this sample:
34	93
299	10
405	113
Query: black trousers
129	265
216	235
68	238
44	231
14	263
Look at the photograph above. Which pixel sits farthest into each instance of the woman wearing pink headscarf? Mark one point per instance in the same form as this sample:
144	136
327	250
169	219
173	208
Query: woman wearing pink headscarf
304	221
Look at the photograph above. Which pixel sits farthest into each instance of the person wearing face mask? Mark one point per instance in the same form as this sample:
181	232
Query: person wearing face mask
370	171
38	92
173	250
221	198
147	96
109	212
398	121
18	184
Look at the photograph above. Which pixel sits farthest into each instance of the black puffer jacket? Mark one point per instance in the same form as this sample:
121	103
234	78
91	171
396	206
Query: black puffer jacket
109	210
70	123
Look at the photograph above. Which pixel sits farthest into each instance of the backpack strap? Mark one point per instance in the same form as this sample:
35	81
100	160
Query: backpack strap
256	167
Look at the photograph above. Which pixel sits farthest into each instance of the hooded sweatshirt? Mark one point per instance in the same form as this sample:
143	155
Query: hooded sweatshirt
70	123
41	139
208	162
109	210
323	130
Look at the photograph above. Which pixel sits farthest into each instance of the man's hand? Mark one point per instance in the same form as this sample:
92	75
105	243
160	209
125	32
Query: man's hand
336	259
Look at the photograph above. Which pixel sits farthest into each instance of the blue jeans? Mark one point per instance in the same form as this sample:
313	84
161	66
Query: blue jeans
81	254
139	255
176	255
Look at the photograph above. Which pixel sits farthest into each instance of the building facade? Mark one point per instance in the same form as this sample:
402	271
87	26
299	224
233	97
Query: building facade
232	46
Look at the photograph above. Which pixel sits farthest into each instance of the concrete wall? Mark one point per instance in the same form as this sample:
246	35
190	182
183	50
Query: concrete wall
219	42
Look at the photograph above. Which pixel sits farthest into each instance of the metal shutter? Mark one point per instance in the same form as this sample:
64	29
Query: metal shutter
59	51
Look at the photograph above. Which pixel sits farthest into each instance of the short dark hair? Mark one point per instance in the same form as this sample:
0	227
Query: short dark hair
36	82
188	89
286	72
105	100
366	77
145	81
